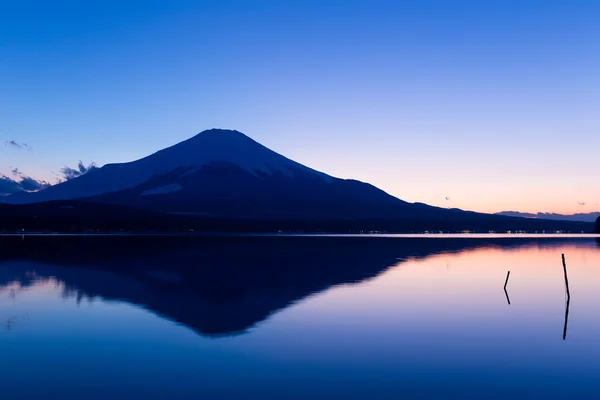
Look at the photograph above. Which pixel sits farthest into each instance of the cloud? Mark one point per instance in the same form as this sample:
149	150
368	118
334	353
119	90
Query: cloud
19	182
12	143
8	186
69	173
15	145
24	184
32	185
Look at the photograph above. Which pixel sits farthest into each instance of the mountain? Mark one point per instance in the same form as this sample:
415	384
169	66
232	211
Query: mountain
220	172
207	149
223	180
582	217
224	173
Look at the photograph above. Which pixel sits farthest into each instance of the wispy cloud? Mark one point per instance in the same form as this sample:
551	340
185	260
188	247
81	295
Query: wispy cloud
69	173
16	145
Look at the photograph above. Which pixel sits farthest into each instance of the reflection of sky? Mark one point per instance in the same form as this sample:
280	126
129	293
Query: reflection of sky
492	103
426	326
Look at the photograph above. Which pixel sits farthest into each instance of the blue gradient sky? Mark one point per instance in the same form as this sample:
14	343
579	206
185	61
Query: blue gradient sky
491	103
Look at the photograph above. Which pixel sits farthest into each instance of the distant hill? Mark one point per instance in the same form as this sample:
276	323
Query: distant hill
589	217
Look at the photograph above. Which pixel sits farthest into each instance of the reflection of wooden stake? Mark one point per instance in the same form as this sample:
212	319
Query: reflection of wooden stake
566	278
566	318
505	292
568	298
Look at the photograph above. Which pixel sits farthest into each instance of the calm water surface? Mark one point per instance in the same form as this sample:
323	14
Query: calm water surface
298	318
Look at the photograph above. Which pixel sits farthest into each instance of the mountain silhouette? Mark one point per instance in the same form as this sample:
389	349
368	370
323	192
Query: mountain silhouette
224	173
224	180
220	173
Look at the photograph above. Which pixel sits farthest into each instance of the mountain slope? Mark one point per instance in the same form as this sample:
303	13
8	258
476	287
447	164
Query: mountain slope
224	189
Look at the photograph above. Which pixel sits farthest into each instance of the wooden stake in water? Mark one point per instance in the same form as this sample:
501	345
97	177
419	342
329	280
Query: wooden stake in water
566	278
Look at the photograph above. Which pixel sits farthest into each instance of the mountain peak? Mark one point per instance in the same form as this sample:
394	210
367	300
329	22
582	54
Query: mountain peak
217	133
208	148
233	147
220	138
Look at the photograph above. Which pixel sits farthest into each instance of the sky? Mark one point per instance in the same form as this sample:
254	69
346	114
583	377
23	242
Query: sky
482	105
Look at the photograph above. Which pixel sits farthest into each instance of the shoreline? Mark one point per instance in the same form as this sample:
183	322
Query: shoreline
330	235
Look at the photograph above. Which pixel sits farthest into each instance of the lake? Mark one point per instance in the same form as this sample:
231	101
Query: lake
299	317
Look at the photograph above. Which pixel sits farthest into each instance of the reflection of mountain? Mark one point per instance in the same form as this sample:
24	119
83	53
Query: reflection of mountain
214	286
